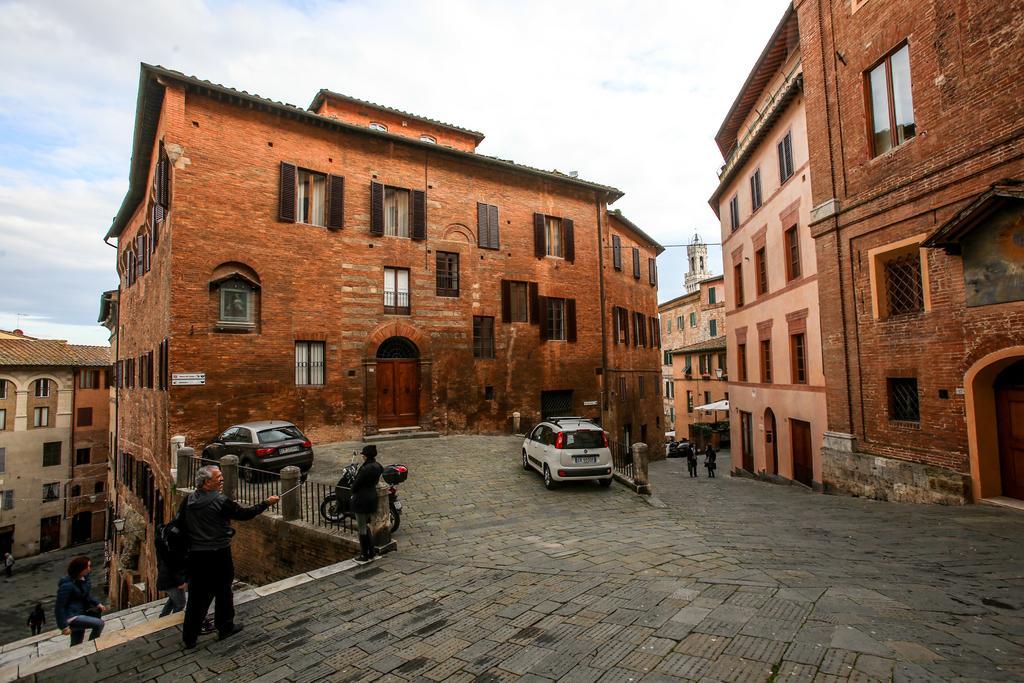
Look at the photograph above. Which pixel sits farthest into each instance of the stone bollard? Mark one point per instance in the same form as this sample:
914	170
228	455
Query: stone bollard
290	499
516	418
229	468
643	484
185	455
380	523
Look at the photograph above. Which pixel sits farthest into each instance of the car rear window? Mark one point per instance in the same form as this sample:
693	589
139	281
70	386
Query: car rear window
584	439
279	434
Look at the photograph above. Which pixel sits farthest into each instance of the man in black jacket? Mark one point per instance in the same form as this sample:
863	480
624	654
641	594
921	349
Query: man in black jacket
207	521
364	499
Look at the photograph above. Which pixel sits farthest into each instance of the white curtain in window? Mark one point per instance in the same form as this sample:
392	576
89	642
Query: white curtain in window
396	212
319	195
554	237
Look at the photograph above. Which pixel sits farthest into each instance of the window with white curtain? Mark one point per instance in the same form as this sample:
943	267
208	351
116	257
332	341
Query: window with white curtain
554	241
309	362
312	197
396	212
396	290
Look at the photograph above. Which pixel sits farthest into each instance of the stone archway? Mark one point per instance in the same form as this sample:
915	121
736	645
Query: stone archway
983	428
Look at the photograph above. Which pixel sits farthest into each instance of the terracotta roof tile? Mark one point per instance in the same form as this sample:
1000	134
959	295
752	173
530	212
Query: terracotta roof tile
50	352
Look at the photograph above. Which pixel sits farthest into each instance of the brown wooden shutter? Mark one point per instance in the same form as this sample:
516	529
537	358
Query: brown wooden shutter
538	235
163	179
286	207
636	263
419	215
535	312
542	302
335	202
483	231
492	224
652	267
376	209
570	320
570	245
615	324
625	324
506	301
617	252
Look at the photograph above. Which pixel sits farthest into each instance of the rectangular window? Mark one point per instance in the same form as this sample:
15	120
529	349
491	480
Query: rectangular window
3	389
8	500
652	271
51	492
766	361
792	254
396	212
3	460
488	236
693	320
84	417
712	295
641	389
396	291
734	212
679	323
704	362
707	397
621	325
3	421
904	404
42	388
51	453
666	358
668	325
82	456
713	328
755	190
636	263
761	263
688	364
622	388
738	284
904	291
616	252
41	417
519	302
88	379
689	401
483	337
556	319
721	364
741	364
447	273
309	363
312	197
554	238
799	358
785	149
892	105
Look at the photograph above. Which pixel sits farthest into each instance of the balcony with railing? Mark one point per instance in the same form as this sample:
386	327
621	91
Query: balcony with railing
396	303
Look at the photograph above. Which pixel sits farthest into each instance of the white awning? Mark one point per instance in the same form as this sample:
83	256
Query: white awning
717	405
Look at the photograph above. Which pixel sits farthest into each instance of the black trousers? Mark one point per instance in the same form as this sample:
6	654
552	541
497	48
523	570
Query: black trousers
210	575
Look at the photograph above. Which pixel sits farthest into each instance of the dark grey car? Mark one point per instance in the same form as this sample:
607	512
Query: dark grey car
268	446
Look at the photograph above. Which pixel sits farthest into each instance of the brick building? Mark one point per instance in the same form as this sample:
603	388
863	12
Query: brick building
53	443
695	365
915	117
353	268
763	200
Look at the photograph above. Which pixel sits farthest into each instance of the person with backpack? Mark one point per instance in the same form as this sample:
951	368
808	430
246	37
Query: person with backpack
206	516
709	460
171	549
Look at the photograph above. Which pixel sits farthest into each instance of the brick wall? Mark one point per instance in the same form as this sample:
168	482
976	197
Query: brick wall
268	549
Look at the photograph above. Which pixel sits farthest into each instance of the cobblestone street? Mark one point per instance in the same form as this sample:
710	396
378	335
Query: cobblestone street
731	580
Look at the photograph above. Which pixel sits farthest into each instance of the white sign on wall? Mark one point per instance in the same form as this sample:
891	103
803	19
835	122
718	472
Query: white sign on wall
184	379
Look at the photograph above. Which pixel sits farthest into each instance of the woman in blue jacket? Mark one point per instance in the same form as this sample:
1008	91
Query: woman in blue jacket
76	610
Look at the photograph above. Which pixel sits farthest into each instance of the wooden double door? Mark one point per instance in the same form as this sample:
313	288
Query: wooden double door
1010	415
398	393
803	460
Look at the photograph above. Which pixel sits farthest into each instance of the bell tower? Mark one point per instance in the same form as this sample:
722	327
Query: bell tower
697	253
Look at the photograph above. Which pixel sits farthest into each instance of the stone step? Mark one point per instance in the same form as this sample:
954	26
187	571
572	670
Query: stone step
399	436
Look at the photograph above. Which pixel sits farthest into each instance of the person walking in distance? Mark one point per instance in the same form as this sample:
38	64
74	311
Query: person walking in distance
36	619
8	564
709	460
76	609
691	460
364	499
206	518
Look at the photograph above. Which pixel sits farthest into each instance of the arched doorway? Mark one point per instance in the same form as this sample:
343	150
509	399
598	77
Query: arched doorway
771	443
1009	395
398	384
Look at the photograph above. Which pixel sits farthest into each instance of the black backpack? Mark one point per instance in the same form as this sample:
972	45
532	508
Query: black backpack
172	539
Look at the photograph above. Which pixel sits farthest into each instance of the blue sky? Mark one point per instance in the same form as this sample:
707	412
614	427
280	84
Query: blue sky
628	94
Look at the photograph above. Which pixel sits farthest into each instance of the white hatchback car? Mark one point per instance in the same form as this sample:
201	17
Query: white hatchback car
568	448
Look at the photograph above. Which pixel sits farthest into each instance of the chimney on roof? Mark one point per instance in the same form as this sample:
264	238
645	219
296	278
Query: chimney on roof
19	333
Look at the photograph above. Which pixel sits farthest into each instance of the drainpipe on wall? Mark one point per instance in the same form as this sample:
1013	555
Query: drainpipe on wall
604	325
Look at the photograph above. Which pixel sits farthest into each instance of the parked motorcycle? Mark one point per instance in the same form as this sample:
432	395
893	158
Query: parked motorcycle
337	507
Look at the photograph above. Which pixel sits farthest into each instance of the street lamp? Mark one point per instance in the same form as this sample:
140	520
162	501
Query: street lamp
119	524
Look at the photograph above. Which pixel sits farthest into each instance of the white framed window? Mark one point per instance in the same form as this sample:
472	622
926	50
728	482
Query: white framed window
312	197
428	138
41	417
554	238
309	363
556	319
236	302
396	290
3	424
396	212
42	388
374	125
891	102
8	500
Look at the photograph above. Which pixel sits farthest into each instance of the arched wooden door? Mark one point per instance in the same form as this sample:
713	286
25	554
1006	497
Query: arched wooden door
771	443
398	384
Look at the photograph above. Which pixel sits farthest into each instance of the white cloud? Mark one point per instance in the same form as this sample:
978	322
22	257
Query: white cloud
627	93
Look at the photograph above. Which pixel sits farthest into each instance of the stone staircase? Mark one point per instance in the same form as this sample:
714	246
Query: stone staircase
399	434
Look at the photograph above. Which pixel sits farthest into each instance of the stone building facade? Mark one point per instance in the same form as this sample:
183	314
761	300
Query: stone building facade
53	444
915	118
352	268
763	200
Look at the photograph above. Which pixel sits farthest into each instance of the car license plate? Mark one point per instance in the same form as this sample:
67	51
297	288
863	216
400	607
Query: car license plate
290	449
584	459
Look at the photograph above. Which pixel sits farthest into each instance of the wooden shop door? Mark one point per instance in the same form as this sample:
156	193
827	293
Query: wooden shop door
803	467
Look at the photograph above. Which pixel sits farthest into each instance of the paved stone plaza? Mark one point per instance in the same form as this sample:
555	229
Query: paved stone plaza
732	580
